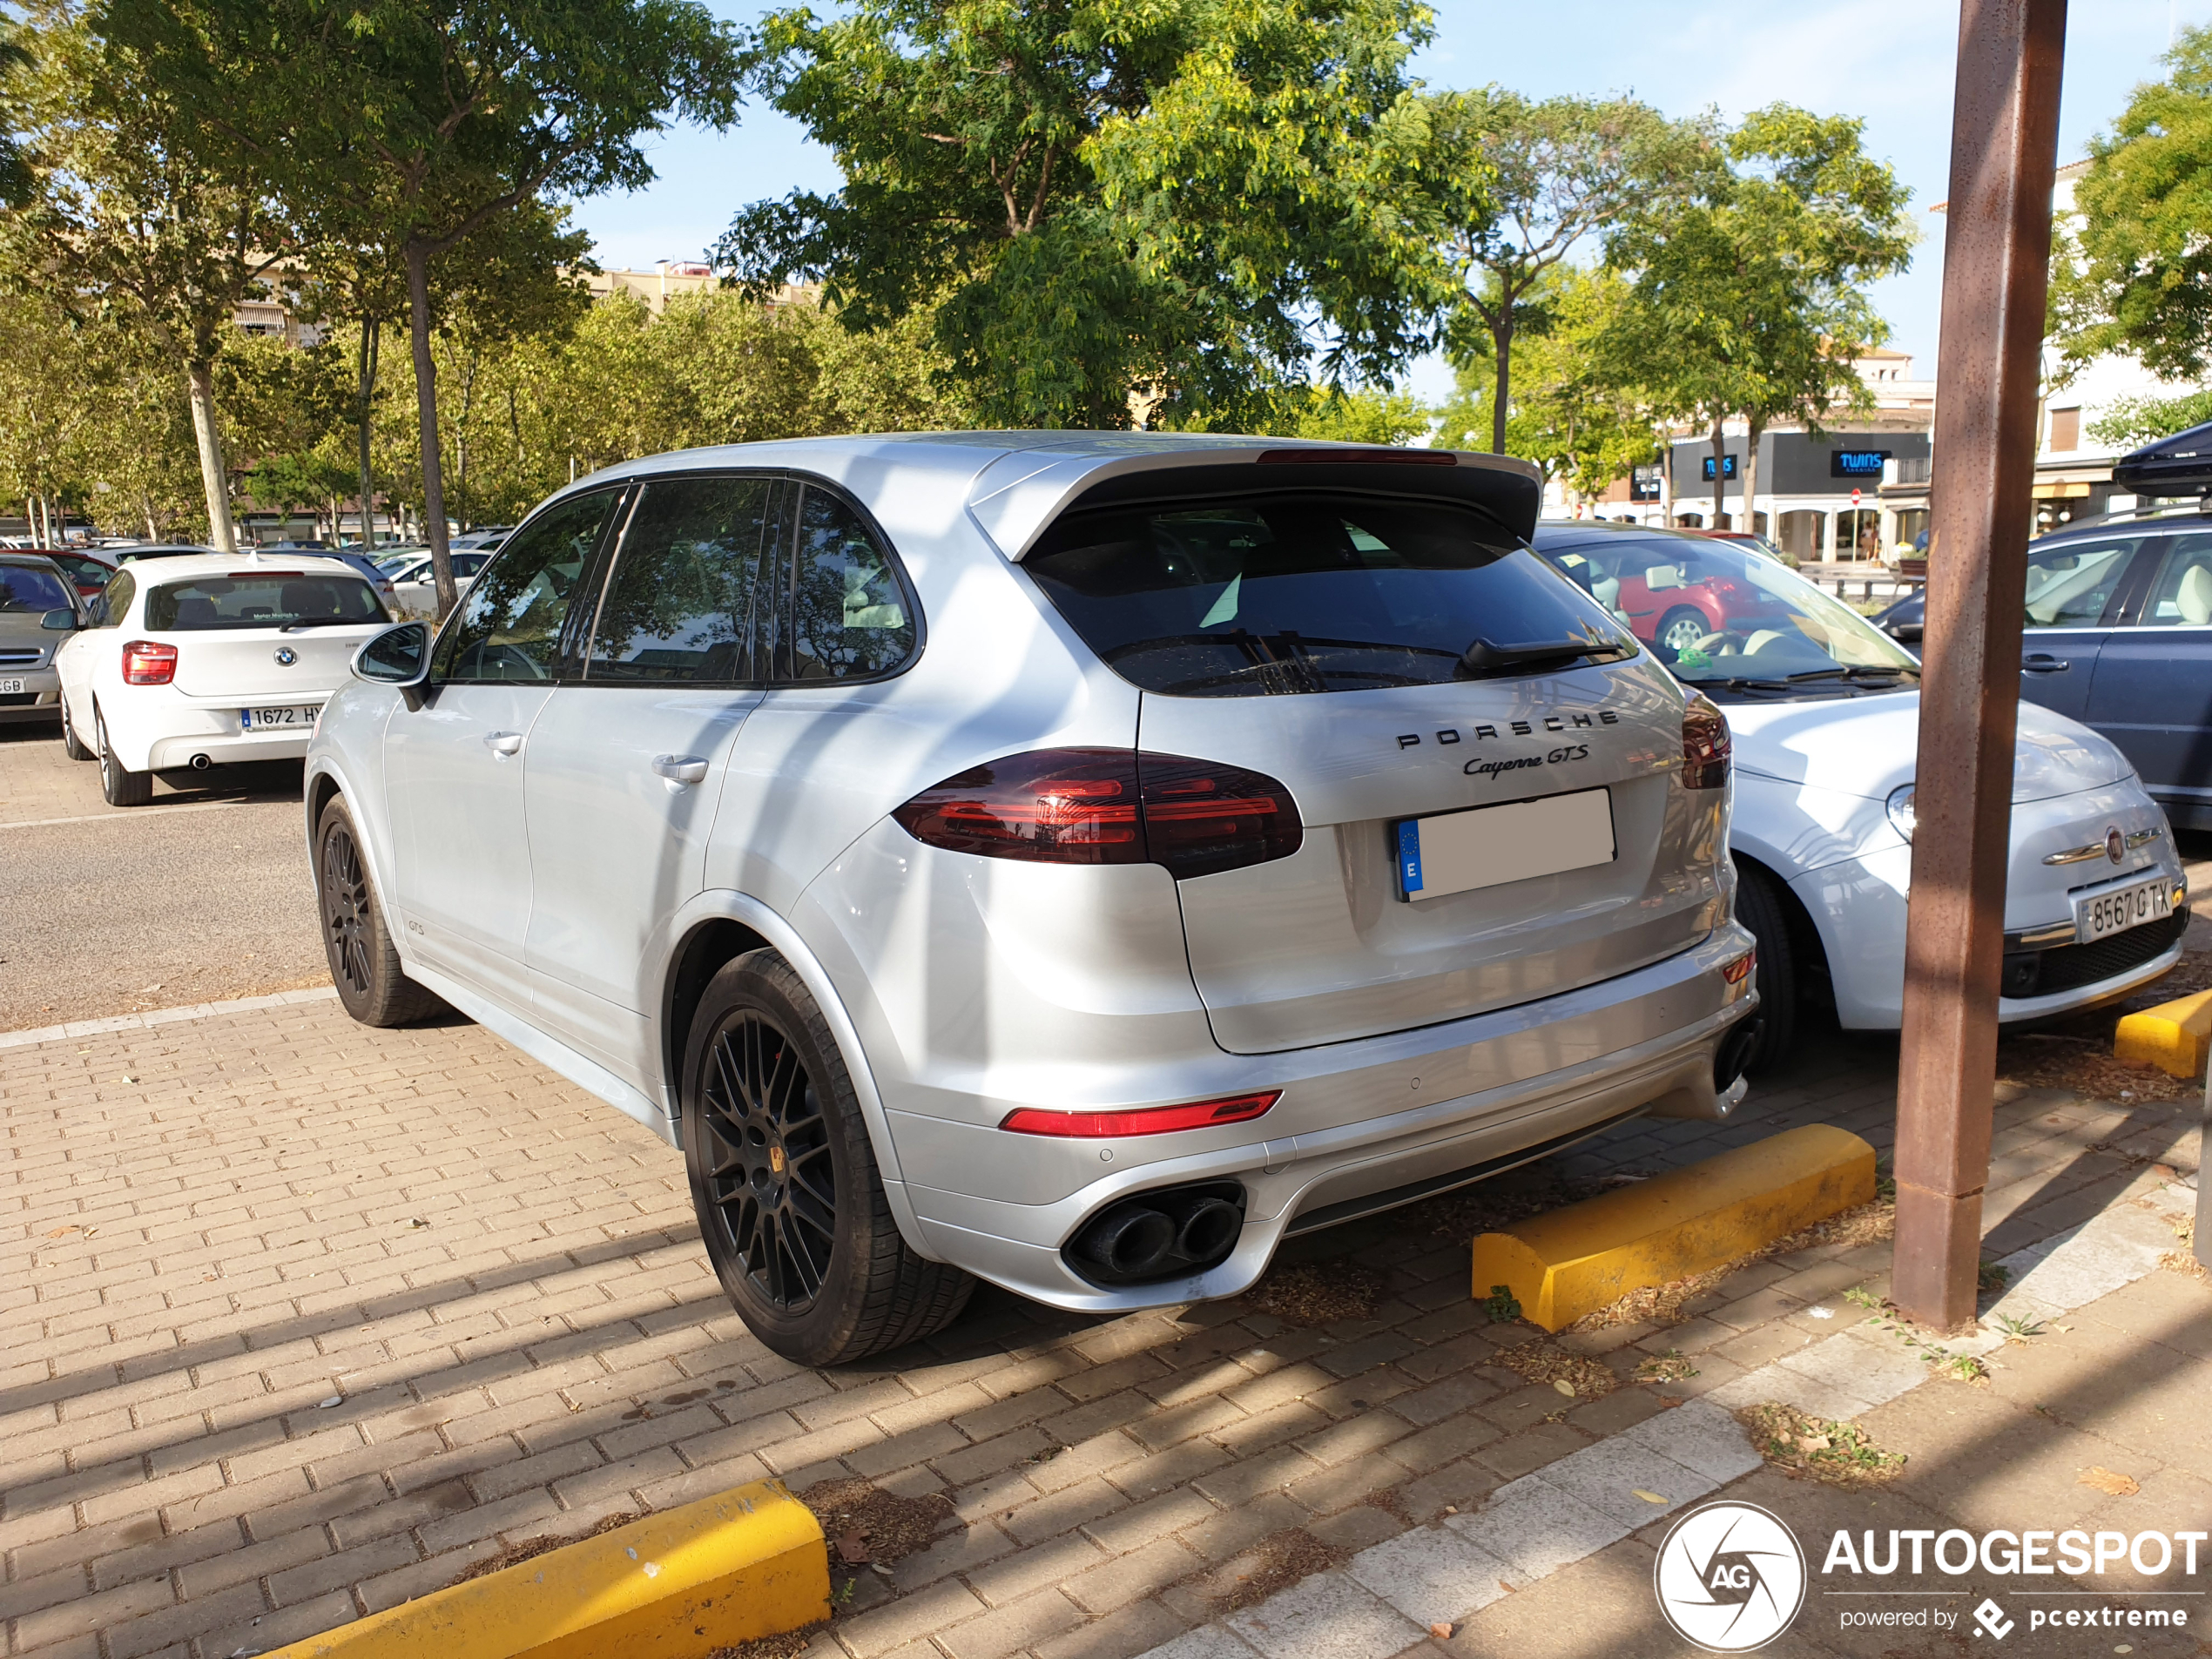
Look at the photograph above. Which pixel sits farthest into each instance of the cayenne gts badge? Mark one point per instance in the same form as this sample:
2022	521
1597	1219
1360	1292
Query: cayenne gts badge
286	656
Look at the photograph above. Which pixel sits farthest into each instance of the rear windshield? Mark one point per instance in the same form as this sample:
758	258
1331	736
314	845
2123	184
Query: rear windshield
25	587
1311	592
277	600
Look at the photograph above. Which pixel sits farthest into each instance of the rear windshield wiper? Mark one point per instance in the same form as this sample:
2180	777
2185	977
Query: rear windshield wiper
323	621
1484	656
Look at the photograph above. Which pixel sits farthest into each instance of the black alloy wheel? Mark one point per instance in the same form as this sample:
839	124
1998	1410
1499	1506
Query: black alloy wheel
768	1169
347	922
790	1201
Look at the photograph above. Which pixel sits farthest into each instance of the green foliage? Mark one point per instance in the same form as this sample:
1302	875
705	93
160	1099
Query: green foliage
2128	421
18	183
1173	199
1500	1305
309	478
2134	273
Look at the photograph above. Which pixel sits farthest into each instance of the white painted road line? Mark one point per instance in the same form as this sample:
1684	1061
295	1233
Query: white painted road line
131	815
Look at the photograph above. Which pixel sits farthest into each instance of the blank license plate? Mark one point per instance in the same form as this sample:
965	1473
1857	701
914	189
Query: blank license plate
261	719
1487	847
13	688
2098	915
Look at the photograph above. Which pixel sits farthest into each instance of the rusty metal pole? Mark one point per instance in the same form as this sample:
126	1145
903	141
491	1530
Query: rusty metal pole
1996	275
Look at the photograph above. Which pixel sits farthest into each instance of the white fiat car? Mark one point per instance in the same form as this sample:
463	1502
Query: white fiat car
208	660
1825	712
1075	860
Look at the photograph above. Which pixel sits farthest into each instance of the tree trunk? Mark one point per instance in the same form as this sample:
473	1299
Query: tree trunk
368	382
461	441
200	385
1720	476
1751	479
1501	344
426	407
145	506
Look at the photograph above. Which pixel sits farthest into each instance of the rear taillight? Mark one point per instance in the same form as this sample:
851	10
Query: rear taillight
1705	745
1148	1120
145	663
1109	806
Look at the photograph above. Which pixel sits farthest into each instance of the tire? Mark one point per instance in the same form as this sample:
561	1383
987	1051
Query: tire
364	964
1760	906
73	746
785	1182
1681	628
118	787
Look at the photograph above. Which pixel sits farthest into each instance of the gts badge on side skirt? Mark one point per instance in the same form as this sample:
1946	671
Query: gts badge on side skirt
1518	729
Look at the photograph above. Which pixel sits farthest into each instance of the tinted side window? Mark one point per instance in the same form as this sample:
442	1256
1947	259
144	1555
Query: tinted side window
508	628
682	602
122	587
2182	597
845	613
2068	584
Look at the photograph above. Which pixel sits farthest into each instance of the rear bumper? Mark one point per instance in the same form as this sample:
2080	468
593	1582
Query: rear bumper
233	749
1514	1083
159	728
41	686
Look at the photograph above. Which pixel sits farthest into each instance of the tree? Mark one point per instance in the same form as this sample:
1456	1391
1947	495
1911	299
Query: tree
1748	299
1171	205
1577	409
18	183
2129	422
2133	274
1521	183
413	126
152	221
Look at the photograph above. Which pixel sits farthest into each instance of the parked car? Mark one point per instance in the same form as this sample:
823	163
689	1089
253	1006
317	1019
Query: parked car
207	662
1668	596
1825	710
87	572
415	591
38	610
1757	543
1079	861
159	551
2118	636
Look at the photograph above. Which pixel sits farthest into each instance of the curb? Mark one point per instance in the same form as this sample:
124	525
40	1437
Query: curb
747	1563
1574	1261
165	1016
2172	1036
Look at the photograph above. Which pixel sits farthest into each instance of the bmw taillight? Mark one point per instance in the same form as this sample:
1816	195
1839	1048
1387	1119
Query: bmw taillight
1705	745
1109	806
147	663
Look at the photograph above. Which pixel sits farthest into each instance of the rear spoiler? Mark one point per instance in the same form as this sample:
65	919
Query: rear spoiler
1018	497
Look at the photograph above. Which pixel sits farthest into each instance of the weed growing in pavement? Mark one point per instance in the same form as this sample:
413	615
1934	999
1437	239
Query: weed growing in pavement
1669	1366
1993	1276
1499	1305
1859	1297
2020	1328
1960	1367
1805	1446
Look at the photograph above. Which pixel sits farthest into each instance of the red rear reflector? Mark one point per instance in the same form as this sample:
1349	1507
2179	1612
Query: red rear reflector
1739	970
1151	1120
1109	806
1705	745
146	662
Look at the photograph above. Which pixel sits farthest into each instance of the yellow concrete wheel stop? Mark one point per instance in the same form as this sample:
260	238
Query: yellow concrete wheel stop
1575	1260
2172	1036
747	1563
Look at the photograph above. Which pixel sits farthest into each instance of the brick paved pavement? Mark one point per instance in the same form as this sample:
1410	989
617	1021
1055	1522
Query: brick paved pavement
301	1319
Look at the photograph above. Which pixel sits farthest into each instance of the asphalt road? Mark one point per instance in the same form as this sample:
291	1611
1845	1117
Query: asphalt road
202	895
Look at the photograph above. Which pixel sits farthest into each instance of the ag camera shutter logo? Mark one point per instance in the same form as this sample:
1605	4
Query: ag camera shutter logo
1730	1577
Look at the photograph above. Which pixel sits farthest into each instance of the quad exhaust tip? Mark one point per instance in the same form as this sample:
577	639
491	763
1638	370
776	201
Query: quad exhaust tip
1166	1234
1735	1053
201	763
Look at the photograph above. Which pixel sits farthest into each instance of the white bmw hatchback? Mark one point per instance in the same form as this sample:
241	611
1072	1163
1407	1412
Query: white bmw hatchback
1075	860
208	660
1825	713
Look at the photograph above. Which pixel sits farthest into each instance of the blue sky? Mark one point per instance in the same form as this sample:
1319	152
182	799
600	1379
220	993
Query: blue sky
1888	62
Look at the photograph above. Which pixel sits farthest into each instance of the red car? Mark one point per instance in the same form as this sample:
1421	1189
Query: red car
1672	591
87	572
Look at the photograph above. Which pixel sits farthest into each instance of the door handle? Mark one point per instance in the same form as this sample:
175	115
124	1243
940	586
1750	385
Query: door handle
680	769
2042	662
503	743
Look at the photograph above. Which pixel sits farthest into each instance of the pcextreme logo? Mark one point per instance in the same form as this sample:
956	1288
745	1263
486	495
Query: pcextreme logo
1730	1577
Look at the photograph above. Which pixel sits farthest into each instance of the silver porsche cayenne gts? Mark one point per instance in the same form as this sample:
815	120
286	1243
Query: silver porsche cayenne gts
1075	860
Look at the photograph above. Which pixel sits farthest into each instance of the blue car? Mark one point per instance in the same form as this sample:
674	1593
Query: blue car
2119	634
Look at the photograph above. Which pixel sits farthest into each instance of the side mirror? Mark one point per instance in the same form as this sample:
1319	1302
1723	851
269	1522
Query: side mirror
399	657
60	620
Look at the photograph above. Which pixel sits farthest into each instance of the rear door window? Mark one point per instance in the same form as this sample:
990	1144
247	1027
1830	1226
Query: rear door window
2069	584
2181	595
252	599
1304	592
509	626
682	603
845	611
